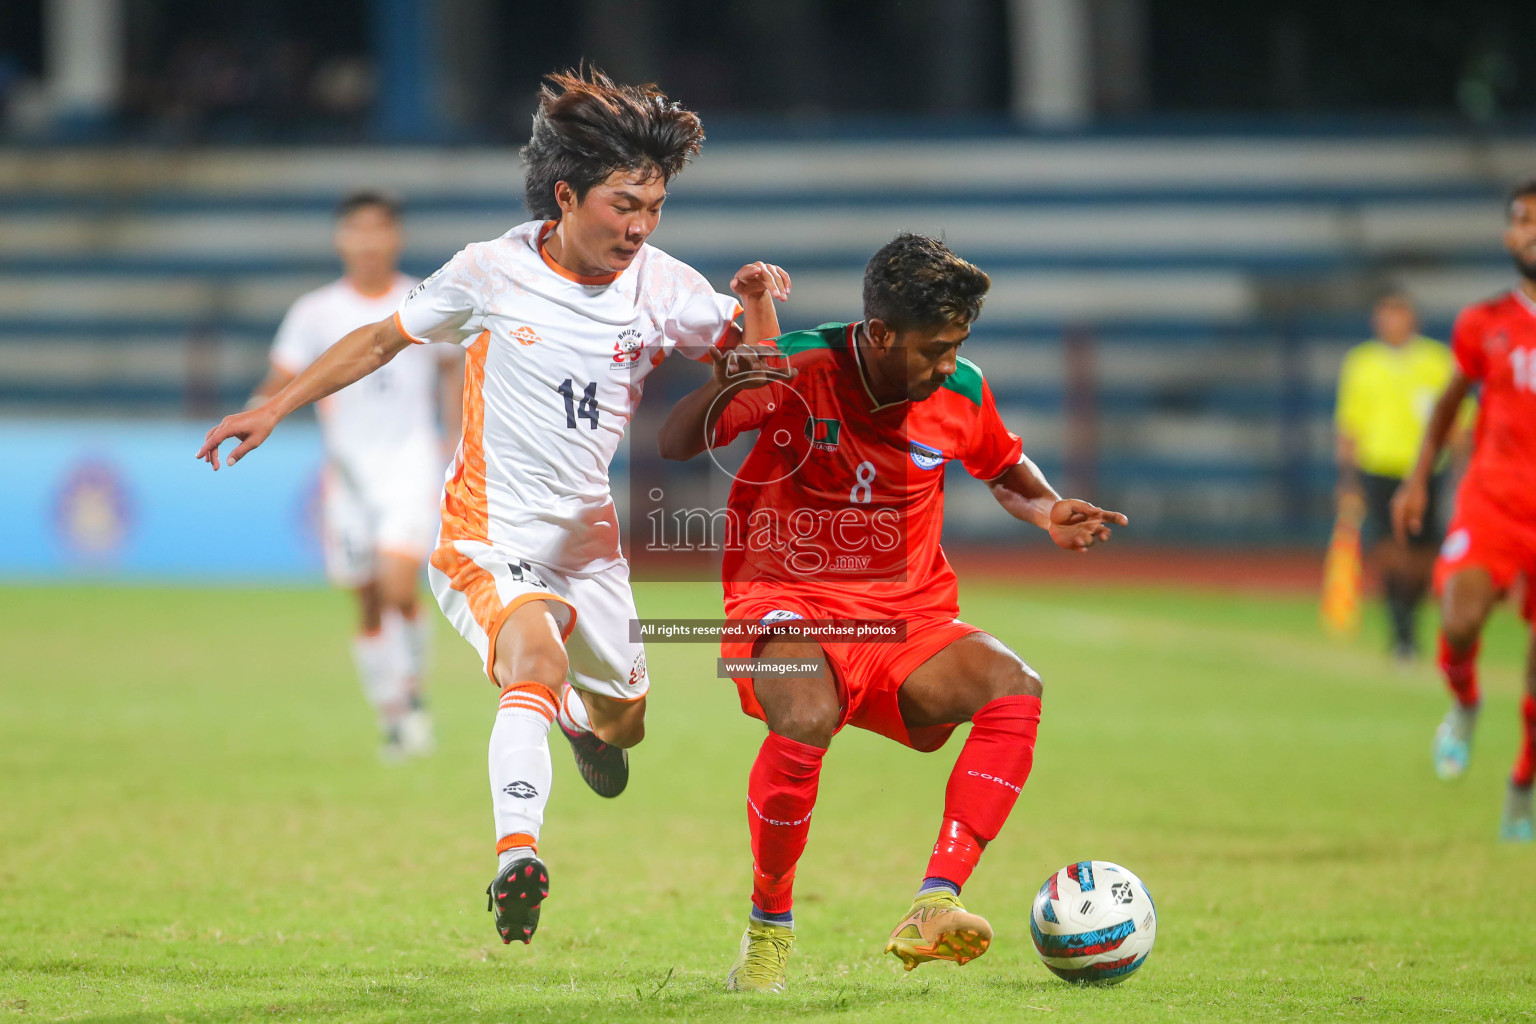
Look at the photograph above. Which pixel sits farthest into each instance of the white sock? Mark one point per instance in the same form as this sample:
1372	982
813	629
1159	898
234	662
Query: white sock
415	650
573	711
378	667
520	766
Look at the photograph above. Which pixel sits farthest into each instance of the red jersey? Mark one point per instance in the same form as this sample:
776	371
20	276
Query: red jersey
843	497
1495	344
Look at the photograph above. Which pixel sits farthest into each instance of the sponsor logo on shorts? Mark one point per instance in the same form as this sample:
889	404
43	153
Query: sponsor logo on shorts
780	615
520	789
1457	542
924	457
522	572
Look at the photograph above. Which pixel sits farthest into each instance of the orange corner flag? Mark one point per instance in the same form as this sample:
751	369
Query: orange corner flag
1342	570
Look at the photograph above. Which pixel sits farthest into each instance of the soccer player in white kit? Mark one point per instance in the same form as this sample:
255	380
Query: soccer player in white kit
384	461
562	319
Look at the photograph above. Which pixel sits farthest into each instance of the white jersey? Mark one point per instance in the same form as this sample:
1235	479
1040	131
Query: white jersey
556	366
391	408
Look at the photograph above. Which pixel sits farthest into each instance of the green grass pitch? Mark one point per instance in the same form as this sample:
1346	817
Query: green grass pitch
194	827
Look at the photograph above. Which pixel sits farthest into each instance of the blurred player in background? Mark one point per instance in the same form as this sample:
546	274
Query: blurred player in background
855	434
385	458
1387	388
1491	542
563	317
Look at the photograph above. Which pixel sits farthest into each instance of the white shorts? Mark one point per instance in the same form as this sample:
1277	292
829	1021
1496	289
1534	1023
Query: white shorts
478	586
393	512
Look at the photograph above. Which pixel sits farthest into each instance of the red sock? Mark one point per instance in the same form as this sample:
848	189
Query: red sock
1525	761
1461	672
989	774
781	793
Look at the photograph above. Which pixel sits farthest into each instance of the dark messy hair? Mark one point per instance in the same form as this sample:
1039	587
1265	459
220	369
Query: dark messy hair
354	201
915	281
1520	191
587	126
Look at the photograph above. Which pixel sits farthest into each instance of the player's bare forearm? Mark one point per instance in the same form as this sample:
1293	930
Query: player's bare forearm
1025	494
450	376
759	319
1073	524
276	379
1441	420
349	360
691	421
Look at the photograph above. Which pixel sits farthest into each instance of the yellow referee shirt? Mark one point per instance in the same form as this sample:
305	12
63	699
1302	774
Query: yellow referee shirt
1385	397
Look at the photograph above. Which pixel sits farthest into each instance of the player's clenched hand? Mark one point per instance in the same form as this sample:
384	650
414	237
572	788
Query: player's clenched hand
1077	525
1408	504
750	366
756	279
251	427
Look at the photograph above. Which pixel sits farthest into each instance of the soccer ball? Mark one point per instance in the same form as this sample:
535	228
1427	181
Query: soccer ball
1093	923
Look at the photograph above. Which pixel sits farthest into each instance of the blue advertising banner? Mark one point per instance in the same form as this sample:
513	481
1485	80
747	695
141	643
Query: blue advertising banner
127	500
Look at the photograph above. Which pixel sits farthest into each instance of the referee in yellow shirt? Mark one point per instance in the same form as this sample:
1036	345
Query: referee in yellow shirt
1387	388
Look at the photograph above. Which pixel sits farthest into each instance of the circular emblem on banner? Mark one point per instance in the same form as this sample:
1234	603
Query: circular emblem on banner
92	510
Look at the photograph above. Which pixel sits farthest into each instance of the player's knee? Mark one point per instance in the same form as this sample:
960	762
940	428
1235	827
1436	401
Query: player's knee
1016	679
814	724
622	725
541	663
805	711
1461	624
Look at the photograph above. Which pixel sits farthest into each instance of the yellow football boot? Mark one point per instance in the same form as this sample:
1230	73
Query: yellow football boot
938	927
764	954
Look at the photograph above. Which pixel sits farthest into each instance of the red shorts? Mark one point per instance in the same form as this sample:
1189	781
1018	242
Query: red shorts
867	674
1483	535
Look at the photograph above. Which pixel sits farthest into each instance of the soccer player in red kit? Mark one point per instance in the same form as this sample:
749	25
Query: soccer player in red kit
837	513
1492	536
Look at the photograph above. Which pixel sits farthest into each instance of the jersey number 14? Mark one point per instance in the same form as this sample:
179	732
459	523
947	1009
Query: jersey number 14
584	407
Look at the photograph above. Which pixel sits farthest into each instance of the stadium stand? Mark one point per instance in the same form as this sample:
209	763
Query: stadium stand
1165	325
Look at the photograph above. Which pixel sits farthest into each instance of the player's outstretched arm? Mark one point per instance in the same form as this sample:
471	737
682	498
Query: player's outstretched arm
1073	524
751	364
691	423
350	359
1412	496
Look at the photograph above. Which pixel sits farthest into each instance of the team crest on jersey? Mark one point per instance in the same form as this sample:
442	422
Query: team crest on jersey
823	433
627	349
1498	344
924	457
527	335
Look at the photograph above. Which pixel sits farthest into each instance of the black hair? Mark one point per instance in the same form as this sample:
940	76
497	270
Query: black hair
354	201
1520	191
915	281
588	126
